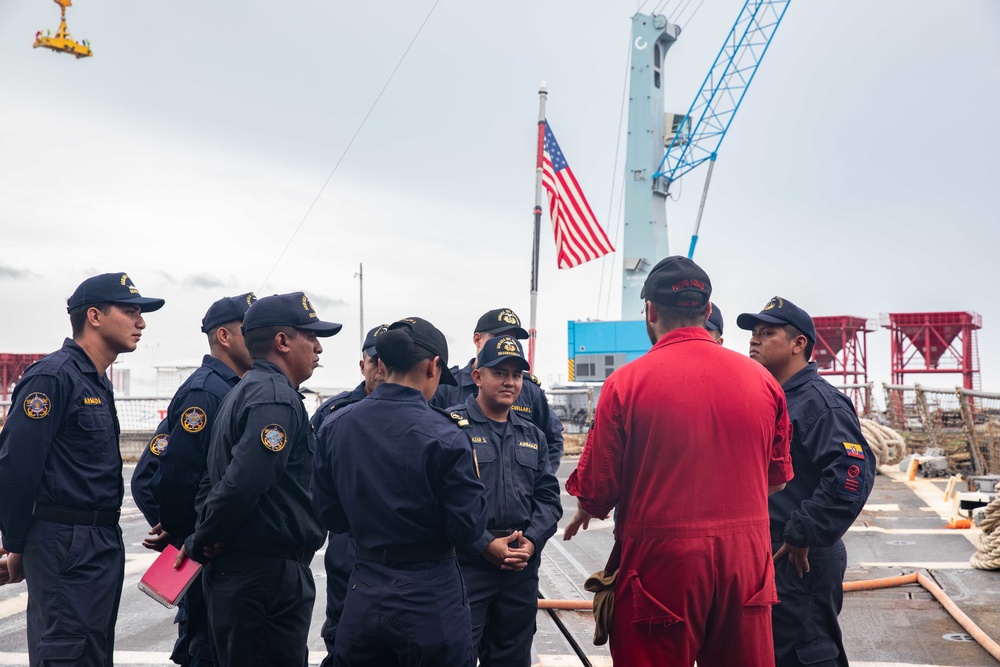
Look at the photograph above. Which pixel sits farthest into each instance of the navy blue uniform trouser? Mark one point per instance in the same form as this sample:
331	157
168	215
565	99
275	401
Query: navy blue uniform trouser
193	647
260	608
341	554
804	623
74	576
504	606
414	615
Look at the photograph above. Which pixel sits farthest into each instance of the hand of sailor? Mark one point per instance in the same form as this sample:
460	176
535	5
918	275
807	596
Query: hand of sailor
498	550
159	540
798	556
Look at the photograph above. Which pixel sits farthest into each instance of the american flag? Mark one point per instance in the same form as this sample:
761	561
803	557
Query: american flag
579	238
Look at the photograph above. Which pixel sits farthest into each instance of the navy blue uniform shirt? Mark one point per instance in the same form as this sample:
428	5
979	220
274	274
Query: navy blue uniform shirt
145	471
833	464
192	414
522	492
59	446
259	468
327	407
531	404
393	471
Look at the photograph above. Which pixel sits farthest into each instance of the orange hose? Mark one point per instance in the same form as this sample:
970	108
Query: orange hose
568	605
888	582
949	605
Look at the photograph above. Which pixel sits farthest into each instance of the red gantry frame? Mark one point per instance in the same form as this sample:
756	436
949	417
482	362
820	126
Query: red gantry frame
12	367
841	350
935	343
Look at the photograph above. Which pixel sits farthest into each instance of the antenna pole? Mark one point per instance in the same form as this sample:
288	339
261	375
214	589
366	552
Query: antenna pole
543	93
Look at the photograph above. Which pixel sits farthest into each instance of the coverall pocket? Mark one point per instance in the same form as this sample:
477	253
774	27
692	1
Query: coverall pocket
646	609
817	652
762	601
61	649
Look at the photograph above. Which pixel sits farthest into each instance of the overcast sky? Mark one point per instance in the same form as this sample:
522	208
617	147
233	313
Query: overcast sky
858	178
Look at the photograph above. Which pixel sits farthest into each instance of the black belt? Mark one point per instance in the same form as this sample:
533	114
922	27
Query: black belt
77	517
301	555
407	553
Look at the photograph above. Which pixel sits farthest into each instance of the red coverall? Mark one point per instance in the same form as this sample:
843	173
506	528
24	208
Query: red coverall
686	440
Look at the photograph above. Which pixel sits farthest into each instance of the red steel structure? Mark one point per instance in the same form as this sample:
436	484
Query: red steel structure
841	350
935	343
11	369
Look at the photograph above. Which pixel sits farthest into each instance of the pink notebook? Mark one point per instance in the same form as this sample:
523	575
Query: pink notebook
165	584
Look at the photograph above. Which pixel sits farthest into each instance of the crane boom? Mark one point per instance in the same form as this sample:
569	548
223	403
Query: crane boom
720	95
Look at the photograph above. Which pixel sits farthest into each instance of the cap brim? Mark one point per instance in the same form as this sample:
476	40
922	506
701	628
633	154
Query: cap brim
712	326
516	332
321	328
447	377
521	362
370	351
748	321
148	305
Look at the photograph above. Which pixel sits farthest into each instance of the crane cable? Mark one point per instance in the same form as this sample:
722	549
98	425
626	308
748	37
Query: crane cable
614	177
348	147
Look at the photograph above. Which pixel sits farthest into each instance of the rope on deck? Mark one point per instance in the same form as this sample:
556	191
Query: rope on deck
887	445
987	556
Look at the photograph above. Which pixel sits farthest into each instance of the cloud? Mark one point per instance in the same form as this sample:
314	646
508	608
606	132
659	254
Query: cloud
203	280
327	302
10	273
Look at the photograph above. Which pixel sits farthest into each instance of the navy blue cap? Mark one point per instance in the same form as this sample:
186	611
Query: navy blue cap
498	350
501	320
111	288
780	311
369	345
227	309
715	321
429	337
677	281
287	310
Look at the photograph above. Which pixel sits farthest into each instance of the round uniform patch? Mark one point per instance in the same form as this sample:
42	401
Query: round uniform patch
37	405
158	444
273	437
193	419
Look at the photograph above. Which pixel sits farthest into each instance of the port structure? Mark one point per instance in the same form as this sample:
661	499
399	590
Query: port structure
12	367
661	148
944	342
841	352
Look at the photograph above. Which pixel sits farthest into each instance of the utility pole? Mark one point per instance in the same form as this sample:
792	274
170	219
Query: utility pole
543	93
360	275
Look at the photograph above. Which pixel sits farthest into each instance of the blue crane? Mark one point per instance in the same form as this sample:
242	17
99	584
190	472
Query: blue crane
707	121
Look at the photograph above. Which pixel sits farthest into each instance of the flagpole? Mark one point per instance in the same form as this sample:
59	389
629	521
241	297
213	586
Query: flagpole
543	93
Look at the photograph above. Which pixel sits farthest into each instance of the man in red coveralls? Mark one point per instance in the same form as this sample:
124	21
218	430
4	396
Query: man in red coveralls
688	441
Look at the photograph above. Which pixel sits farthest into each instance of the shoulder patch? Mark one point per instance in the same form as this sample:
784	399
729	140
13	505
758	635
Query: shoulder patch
273	437
37	405
850	479
193	419
459	420
532	378
158	444
853	449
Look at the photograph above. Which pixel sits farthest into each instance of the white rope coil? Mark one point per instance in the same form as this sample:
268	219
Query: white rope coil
987	556
887	445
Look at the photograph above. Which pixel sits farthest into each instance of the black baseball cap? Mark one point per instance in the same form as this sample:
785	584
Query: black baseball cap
677	281
369	344
287	310
427	336
227	309
780	311
498	350
501	320
111	288
715	322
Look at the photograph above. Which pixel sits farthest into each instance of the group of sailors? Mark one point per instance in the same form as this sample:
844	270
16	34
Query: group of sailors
434	488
